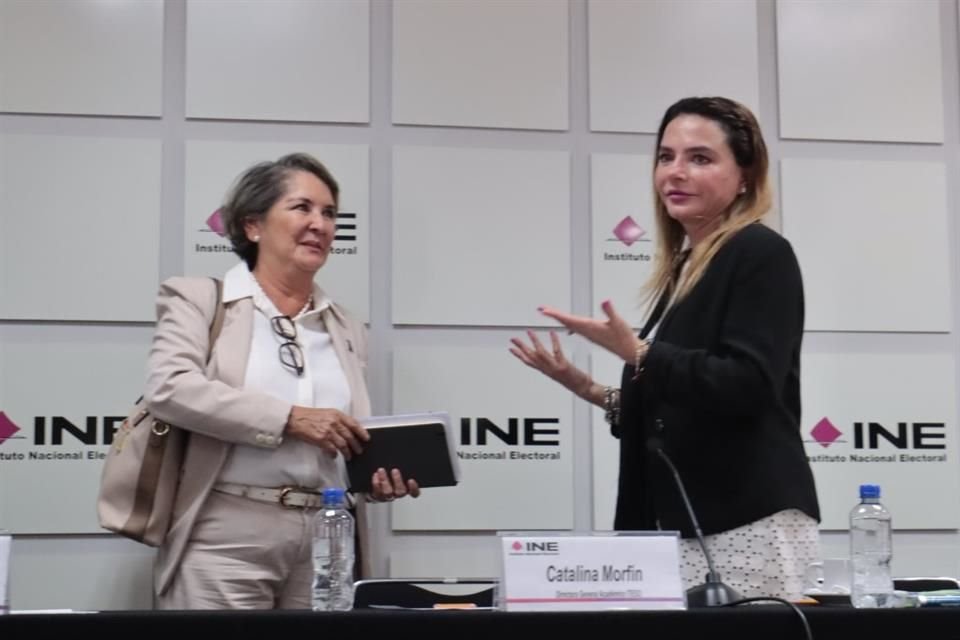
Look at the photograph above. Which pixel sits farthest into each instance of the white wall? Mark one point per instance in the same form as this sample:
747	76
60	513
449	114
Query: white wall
103	135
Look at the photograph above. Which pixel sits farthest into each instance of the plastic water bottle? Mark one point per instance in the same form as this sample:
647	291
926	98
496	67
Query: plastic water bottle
871	549
333	554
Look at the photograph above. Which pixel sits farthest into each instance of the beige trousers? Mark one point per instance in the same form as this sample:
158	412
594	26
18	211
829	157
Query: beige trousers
245	554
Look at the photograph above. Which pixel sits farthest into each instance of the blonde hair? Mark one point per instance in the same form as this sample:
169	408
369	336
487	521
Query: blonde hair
745	140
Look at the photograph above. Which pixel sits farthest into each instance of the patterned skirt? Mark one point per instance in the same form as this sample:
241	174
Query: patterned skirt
766	558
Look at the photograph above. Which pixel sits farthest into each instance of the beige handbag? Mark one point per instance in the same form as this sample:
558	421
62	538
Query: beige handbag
142	470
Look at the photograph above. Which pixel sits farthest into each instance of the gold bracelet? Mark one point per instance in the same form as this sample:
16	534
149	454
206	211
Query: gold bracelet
638	357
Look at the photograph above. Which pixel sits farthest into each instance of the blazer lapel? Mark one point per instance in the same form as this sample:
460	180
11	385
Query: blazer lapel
230	364
344	343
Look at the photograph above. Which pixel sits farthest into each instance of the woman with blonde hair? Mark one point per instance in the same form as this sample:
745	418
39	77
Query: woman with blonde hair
713	378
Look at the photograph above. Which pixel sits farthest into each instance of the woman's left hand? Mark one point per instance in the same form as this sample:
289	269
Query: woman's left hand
613	334
388	487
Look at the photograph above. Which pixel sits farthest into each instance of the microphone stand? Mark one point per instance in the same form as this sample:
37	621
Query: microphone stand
713	592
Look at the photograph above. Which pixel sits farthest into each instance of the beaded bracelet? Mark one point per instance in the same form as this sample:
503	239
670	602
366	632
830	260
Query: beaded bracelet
611	405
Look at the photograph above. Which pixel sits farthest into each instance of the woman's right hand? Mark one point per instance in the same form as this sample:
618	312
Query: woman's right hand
552	363
331	430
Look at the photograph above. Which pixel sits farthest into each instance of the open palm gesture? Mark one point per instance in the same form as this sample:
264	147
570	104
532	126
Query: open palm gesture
612	333
551	362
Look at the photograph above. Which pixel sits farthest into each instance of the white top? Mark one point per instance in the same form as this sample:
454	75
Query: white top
323	384
766	558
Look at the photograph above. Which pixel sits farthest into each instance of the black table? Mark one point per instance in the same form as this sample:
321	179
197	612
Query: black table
769	622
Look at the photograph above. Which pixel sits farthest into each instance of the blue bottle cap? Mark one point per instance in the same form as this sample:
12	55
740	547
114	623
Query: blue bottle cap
332	496
869	491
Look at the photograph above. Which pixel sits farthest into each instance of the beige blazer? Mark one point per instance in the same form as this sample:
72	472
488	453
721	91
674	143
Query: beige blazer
208	400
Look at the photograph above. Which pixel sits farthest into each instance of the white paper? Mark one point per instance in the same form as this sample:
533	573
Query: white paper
47	611
4	572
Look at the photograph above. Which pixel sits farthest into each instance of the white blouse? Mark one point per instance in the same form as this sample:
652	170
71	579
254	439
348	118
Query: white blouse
323	384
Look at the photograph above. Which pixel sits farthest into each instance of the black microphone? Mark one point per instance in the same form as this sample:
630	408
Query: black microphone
713	592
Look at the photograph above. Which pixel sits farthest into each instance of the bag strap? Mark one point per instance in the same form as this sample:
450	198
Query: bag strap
218	315
215	328
152	464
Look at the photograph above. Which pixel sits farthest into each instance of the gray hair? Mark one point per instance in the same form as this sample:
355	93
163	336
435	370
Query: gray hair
258	189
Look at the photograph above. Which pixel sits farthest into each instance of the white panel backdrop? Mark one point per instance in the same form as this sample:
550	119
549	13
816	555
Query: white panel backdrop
860	70
93	57
481	64
624	235
213	167
872	242
639	64
481	236
494	493
288	60
81	217
887	389
48	486
457	558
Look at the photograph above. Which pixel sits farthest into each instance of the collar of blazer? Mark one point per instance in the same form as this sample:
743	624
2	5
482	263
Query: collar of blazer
239	283
337	313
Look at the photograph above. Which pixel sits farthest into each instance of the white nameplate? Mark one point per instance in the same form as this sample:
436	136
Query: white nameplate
5	540
591	572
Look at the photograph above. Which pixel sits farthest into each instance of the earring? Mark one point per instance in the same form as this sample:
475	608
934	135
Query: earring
743	189
256	238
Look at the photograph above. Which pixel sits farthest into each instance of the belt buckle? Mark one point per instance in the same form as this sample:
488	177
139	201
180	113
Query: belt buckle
283	498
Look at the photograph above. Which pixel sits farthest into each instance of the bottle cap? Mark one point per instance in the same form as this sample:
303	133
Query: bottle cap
869	491
332	496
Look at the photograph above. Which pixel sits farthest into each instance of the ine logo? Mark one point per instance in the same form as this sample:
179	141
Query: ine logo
528	432
215	223
874	435
527	439
7	428
95	430
535	548
346	225
825	434
628	231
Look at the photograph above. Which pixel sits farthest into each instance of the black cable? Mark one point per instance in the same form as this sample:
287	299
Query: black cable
712	574
796	609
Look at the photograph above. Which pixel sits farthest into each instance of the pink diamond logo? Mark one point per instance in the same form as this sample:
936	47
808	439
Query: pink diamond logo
628	231
517	546
7	428
215	223
825	433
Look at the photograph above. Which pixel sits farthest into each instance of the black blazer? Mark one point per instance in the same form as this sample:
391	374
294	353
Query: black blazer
720	392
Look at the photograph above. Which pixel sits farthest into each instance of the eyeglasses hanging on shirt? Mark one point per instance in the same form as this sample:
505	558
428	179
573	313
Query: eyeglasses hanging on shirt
291	355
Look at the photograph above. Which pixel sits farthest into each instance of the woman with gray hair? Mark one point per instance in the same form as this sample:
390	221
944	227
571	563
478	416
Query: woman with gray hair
272	409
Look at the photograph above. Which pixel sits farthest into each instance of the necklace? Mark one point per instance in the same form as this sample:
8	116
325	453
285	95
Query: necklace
306	307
